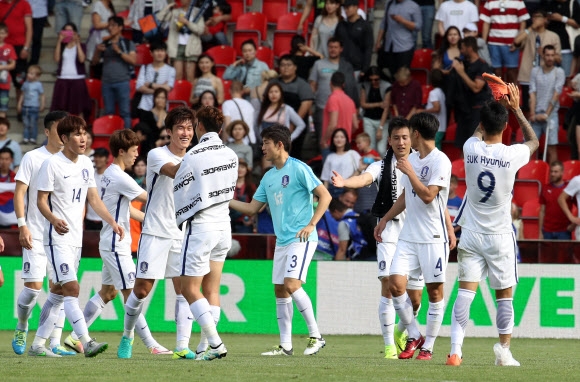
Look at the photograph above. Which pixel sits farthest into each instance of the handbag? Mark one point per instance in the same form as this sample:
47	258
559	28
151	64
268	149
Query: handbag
149	26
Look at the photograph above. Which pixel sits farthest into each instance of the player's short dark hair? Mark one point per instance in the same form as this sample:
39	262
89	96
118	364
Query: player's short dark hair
426	124
396	123
53	117
296	40
179	115
557	163
157	45
540	11
337	205
118	20
470	42
211	118
278	133
5	121
71	124
493	117
548	47
436	78
122	140
249	41
7	150
337	79
334	39
332	146
101	152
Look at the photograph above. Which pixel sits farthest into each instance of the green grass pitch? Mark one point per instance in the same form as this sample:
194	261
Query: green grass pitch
345	358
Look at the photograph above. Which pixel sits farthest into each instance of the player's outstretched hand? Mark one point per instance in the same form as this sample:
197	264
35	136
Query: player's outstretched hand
25	238
337	179
119	231
379	229
60	226
513	101
404	165
305	232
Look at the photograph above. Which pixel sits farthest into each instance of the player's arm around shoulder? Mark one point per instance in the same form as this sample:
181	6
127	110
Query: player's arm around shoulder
170	169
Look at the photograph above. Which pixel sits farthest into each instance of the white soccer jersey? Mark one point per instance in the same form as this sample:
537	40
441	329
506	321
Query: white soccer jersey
573	189
393	228
117	189
28	174
68	183
425	223
160	209
490	172
91	214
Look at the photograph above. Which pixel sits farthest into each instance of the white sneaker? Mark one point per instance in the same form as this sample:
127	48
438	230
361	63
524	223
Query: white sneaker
279	350
503	356
41	351
314	345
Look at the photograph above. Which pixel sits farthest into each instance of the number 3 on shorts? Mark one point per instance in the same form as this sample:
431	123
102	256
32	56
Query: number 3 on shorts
294	261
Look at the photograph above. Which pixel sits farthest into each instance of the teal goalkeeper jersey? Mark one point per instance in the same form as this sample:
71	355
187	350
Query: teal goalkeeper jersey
288	192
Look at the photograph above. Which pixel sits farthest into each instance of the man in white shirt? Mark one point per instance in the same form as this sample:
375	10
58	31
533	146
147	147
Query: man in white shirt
488	244
457	13
66	181
239	108
101	161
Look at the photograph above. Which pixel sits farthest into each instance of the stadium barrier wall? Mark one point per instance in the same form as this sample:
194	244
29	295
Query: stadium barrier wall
345	296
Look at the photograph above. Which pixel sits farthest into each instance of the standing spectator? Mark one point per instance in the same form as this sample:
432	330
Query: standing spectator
357	36
39	19
140	9
304	56
67	11
7	64
239	130
475	91
274	111
297	94
70	90
7	142
406	94
206	79
339	113
157	75
533	39
572	190
455	13
239	108
373	101
428	16
562	16
31	103
186	25
207	98
216	26
436	105
118	59
257	92
244	192
309	6
552	220
325	26
341	159
402	19
546	83
448	51
248	70
93	221
502	22
102	11
470	30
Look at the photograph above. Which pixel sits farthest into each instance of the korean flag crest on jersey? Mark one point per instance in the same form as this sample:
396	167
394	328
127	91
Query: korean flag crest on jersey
26	267
424	172
144	266
85	175
285	180
64	268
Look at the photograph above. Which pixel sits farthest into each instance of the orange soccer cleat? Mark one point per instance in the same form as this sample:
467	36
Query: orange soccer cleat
453	360
497	86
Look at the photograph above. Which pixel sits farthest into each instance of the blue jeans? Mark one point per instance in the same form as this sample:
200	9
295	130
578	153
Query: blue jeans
30	121
565	235
67	11
428	15
114	94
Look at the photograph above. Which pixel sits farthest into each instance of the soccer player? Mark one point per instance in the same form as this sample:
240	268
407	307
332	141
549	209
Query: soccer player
426	235
203	201
288	188
66	181
31	227
159	253
388	179
117	190
488	245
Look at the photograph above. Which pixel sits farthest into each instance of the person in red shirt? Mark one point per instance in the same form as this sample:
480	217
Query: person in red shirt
553	223
363	146
7	63
406	94
339	112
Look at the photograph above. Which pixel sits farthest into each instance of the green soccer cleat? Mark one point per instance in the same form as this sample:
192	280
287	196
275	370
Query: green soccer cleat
391	352
19	341
125	350
183	354
61	350
400	340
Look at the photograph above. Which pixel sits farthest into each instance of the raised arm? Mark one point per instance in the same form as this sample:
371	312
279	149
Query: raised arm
513	103
355	181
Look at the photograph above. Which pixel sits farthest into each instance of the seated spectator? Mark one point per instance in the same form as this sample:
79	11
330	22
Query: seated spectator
89	151
70	89
257	92
406	94
102	11
353	242
163	139
245	189
571	192
373	100
349	197
339	113
93	221
140	9
7	187
324	26
207	98
275	111
248	70
327	230
159	110
206	79
6	160
552	221
470	30
454	202
239	108
216	26
455	13
366	195
303	56
436	105
146	136
341	159
139	171
238	130
364	148
9	143
157	75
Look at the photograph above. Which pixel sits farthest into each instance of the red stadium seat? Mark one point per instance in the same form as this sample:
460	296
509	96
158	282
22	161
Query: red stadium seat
531	228
288	21
238	9
143	53
461	188
251	25
180	93
273	9
451	132
535	169
421	65
95	88
223	56
458	168
565	100
286	28
266	55
227	85
105	126
531	208
426	89
571	169
526	189
132	87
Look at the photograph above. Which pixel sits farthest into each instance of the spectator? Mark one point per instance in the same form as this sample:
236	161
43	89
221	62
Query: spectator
239	108
275	111
571	191
546	83
304	56
357	36
341	159
297	94
471	91
327	230
163	139
366	195
7	64
102	11
533	40
406	94
427	16
31	103
244	192
325	26
339	112
454	202
448	51
216	26
257	92
9	143
363	147
157	75
207	98
455	13
206	79
89	151
39	19
248	70
67	11
349	197
436	105
7	186
502	22
470	30
552	220
140	9
140	171
70	90
402	19
373	101
239	130
159	109
564	15
186	25
146	137
118	59
352	244
93	221
6	161
309	6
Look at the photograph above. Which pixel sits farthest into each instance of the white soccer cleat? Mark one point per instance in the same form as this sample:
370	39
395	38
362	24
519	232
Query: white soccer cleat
159	350
41	351
278	350
503	356
314	345
211	353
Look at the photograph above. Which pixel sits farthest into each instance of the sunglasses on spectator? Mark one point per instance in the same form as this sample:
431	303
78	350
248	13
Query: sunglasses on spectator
164	137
